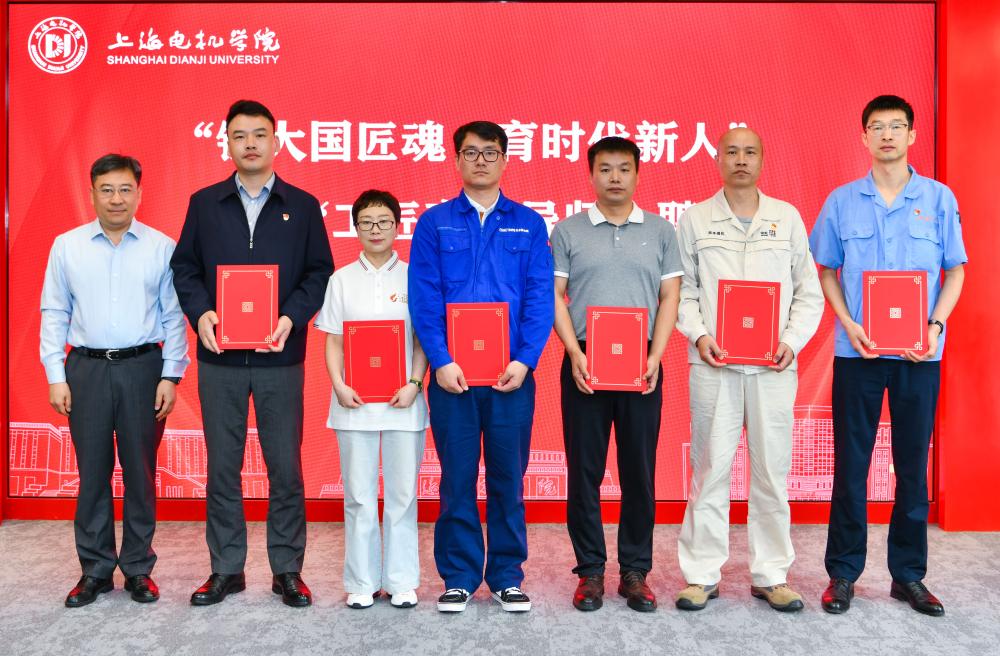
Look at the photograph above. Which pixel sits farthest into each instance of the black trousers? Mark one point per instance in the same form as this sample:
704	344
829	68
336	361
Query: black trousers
225	393
858	388
109	399
587	422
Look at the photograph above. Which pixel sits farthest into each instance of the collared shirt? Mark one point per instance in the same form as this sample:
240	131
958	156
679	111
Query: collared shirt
612	265
455	260
857	232
483	211
362	292
291	234
102	296
254	204
775	248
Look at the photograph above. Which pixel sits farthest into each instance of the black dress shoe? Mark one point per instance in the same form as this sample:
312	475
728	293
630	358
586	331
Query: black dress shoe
837	596
143	588
293	590
217	587
633	587
589	593
918	596
87	589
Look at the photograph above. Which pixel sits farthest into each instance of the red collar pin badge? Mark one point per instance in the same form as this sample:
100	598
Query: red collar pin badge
284	216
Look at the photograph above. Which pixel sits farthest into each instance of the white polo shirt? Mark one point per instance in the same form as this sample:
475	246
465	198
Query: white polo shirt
360	292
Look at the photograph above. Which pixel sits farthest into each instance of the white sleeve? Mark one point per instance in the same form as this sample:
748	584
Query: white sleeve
331	316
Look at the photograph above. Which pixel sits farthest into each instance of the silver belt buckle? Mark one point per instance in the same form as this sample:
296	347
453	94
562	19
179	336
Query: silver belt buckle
108	353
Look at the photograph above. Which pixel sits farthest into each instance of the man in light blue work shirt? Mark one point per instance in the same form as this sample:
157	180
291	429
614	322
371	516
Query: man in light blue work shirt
892	219
109	294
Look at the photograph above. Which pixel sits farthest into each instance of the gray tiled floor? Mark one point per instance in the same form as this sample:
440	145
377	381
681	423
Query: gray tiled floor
38	566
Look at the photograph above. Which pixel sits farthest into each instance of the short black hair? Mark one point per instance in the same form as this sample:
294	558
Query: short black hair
883	103
375	198
613	145
249	108
485	130
115	162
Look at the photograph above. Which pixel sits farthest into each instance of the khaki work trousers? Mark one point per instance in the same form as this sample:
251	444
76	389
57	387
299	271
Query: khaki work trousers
723	401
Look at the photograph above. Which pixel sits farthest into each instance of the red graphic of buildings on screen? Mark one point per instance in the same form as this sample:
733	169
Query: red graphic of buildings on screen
811	475
43	464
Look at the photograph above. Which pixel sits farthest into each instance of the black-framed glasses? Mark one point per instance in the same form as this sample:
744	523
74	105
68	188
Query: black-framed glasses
895	129
489	155
365	225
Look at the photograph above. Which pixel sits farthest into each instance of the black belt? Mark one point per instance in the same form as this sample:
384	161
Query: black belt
116	354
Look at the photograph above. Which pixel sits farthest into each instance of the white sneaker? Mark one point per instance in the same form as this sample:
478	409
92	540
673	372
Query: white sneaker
406	599
360	600
513	600
453	600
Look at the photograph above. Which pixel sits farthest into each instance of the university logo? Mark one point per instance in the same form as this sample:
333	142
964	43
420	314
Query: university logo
57	45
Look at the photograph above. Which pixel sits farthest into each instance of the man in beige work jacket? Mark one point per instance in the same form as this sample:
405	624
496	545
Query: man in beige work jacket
741	234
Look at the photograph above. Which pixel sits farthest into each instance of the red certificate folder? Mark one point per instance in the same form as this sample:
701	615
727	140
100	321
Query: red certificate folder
895	310
747	321
375	358
246	300
479	340
617	347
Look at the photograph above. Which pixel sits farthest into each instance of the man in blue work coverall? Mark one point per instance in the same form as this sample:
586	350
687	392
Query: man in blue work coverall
482	247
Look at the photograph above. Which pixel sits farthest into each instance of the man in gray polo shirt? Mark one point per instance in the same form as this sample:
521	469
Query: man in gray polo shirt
614	254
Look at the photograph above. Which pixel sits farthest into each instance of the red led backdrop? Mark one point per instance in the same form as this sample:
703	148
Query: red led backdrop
368	96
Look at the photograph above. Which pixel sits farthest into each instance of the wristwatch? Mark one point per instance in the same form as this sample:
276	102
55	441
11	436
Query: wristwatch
173	379
419	382
935	322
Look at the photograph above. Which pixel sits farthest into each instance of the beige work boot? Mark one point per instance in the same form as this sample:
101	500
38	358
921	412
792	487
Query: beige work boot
780	597
696	596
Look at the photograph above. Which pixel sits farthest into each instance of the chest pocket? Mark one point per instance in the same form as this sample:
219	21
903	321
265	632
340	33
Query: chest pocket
515	261
456	254
924	247
709	243
858	237
769	259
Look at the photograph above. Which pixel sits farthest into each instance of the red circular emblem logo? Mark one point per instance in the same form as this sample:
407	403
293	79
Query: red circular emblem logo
57	45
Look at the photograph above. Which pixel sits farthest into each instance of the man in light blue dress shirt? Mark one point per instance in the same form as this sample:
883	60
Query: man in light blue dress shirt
109	294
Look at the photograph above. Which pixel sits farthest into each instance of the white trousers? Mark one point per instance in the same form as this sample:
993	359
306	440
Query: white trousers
367	567
722	402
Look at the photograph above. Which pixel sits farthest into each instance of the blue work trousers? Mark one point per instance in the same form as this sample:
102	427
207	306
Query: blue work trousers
498	425
858	388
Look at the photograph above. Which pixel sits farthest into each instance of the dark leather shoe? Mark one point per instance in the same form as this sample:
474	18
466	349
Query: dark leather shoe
217	587
143	588
87	589
918	596
837	596
589	593
293	590
633	587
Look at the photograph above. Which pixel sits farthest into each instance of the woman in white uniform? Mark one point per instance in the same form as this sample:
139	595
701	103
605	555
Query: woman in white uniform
373	287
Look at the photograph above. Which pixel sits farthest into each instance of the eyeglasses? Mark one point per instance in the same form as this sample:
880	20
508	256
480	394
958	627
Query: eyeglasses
489	155
109	192
895	129
383	225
